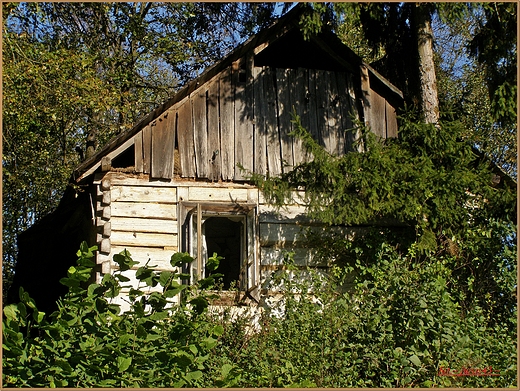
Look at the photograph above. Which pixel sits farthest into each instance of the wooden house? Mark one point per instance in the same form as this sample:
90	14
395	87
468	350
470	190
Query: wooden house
177	181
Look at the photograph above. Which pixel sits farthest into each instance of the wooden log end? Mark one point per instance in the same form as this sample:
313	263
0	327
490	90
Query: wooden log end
106	198
106	164
105	246
107	229
106	267
106	214
105	184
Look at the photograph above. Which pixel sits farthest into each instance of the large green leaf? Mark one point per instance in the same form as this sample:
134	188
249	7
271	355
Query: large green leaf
123	363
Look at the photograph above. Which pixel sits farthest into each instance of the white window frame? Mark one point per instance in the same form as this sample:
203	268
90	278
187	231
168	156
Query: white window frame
191	218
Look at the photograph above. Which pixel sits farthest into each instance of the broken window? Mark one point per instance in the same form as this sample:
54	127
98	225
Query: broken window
228	231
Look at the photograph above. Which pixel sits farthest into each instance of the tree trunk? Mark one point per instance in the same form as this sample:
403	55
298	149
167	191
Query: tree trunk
427	77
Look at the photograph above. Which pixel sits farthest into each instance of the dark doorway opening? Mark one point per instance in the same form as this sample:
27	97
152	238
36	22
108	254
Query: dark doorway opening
225	237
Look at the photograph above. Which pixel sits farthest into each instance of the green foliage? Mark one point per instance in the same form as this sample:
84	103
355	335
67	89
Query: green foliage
161	340
427	178
479	88
73	71
396	327
433	192
494	46
464	79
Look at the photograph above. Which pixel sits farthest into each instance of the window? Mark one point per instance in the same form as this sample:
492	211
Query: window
228	230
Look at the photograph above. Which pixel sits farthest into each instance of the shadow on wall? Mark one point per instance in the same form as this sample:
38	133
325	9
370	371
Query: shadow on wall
48	249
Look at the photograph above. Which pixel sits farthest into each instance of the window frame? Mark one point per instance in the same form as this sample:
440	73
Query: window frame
191	215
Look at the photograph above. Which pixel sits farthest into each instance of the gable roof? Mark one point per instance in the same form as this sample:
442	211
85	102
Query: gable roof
273	42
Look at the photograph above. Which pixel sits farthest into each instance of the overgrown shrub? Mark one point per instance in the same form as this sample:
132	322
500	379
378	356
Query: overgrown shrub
398	326
160	342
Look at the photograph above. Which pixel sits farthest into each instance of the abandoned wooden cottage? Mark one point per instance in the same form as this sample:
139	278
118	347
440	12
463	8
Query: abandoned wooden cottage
174	182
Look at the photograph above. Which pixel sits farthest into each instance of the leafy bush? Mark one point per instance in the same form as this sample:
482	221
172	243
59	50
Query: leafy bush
162	341
397	326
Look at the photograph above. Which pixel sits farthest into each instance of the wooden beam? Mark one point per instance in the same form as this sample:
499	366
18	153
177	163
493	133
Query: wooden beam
186	140
138	152
112	155
147	149
199	242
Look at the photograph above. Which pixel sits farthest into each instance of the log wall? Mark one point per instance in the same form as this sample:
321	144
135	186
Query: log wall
142	216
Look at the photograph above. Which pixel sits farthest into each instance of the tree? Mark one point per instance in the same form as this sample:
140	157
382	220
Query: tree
494	47
388	37
47	98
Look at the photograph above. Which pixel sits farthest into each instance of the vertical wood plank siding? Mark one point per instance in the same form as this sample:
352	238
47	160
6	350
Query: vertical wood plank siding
214	150
299	84
284	119
147	148
138	152
200	131
243	86
274	163
260	123
243	116
163	144
186	143
227	125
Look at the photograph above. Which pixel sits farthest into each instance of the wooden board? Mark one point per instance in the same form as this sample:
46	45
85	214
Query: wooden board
357	144
297	198
143	239
275	256
218	194
214	148
252	250
322	103
336	141
271	124
135	283
377	114
287	214
298	82
280	235
313	106
144	210
138	152
260	134
163	144
243	118
227	129
284	118
132	224
347	112
144	194
283	235
185	138
391	121
159	257
365	96
147	148
200	135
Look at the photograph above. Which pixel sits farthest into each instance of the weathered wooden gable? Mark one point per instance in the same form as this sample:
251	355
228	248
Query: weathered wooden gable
229	123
